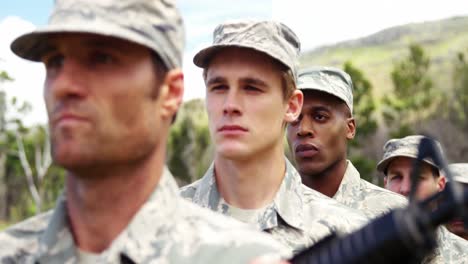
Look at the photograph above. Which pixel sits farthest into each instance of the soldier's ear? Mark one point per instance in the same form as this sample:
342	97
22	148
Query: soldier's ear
172	92
351	128
294	106
441	182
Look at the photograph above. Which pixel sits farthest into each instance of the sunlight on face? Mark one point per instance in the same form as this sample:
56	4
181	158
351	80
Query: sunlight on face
99	91
245	103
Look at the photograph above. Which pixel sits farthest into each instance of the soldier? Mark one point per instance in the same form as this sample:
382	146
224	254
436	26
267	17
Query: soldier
396	165
249	74
113	85
460	174
319	137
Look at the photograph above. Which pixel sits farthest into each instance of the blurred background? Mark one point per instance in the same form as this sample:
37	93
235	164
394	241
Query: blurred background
408	61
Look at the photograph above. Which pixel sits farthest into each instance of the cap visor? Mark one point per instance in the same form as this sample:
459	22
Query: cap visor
31	46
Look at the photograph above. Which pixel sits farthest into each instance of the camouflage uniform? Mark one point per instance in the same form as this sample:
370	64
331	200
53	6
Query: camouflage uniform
298	215
460	172
328	80
167	229
403	147
353	191
451	248
366	197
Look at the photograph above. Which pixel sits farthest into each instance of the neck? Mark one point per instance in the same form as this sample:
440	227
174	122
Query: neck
327	181
251	183
93	202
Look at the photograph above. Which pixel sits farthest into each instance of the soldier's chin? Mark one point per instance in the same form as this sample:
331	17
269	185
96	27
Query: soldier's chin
73	161
233	150
311	170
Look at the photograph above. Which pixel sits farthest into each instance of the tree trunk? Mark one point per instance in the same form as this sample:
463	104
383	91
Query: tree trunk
3	189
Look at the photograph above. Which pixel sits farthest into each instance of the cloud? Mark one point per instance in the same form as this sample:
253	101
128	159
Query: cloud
28	76
325	22
193	80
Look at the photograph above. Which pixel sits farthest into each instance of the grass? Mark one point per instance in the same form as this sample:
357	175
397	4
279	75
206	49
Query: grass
377	61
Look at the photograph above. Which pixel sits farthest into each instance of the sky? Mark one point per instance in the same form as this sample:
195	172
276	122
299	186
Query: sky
316	23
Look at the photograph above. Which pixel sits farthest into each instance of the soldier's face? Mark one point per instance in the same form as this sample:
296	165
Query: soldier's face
245	104
398	179
318	138
102	100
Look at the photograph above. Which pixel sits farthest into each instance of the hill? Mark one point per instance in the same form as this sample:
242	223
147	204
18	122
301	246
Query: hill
376	54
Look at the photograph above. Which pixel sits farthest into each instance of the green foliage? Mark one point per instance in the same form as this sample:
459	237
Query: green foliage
458	101
365	166
3	225
18	203
189	143
375	54
5	77
364	105
49	189
413	96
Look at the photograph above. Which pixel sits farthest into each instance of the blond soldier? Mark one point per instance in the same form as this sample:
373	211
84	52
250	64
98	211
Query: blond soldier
112	88
396	165
460	174
249	73
319	137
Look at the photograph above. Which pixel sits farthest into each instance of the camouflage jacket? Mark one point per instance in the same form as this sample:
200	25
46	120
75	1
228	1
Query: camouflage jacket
374	201
167	229
366	197
452	248
297	217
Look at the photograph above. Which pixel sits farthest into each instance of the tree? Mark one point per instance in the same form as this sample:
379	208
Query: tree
42	161
34	164
4	77
413	97
28	181
458	101
364	112
33	182
364	104
189	151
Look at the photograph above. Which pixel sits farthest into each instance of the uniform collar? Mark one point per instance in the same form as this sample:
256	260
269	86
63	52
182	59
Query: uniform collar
56	243
350	183
287	204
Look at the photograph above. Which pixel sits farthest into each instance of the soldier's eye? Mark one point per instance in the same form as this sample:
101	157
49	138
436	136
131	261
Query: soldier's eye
99	57
218	87
395	177
54	61
251	88
320	117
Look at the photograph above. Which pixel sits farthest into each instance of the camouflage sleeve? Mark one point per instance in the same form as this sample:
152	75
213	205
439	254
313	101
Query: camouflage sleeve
20	242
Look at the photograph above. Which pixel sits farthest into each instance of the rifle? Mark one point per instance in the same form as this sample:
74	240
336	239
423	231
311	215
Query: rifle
405	235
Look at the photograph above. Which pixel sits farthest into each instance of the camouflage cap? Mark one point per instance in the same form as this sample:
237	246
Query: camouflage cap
460	172
152	23
329	80
403	147
270	37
